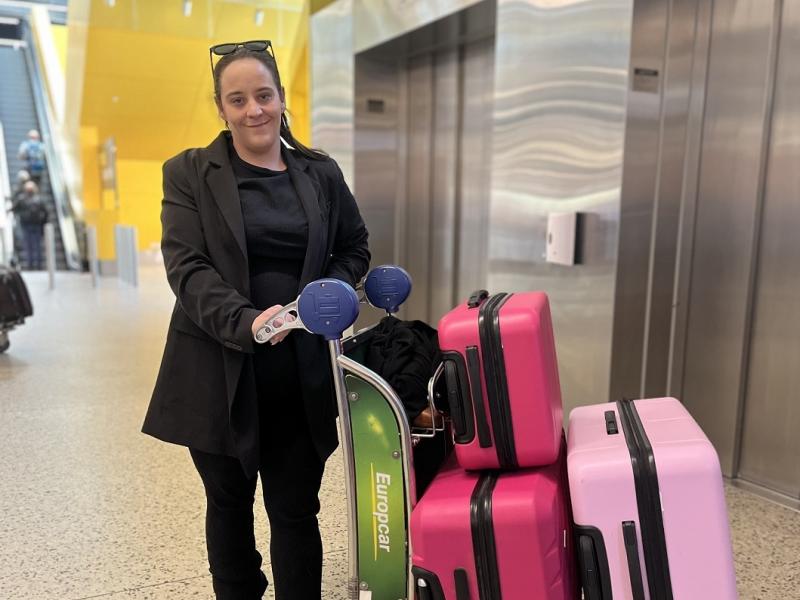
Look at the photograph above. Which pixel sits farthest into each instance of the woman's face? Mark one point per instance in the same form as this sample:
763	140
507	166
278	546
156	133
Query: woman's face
251	104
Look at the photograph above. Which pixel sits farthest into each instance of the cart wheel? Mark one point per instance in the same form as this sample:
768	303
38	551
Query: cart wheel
4	341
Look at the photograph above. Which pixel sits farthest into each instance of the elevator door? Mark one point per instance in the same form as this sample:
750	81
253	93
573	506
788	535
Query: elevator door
446	189
770	445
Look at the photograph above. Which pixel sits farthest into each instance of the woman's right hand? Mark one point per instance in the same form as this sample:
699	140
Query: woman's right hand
265	317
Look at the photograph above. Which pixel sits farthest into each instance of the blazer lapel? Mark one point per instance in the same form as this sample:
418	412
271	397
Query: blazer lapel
309	198
222	183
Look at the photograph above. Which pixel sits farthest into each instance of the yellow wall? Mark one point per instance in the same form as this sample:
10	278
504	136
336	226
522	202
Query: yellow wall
147	84
60	40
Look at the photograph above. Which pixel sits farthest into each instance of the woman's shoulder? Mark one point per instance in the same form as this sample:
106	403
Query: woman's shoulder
322	165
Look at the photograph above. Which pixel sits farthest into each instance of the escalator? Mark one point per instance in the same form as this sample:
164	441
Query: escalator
22	108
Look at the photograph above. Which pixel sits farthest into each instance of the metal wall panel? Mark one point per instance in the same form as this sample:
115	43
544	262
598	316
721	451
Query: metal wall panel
728	189
639	181
377	21
445	145
680	55
475	175
561	78
376	128
332	83
417	253
770	443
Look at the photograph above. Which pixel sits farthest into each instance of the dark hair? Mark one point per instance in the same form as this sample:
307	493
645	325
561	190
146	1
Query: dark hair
269	62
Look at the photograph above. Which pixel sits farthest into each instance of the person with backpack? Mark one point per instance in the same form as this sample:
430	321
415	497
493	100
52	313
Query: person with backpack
31	214
32	152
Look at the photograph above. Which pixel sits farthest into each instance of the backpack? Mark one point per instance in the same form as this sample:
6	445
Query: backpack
34	155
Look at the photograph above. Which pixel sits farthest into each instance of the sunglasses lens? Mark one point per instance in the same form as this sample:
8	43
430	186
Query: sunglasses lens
256	46
223	49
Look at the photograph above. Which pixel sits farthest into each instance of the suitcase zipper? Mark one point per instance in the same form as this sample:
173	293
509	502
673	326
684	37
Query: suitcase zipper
648	501
494	371
483	543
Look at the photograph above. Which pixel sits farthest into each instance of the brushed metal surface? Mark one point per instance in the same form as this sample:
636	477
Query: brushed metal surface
561	79
681	39
376	84
770	443
475	174
724	227
377	21
332	83
417	253
445	150
639	199
688	212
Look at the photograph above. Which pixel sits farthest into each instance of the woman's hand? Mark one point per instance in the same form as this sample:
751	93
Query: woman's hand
265	317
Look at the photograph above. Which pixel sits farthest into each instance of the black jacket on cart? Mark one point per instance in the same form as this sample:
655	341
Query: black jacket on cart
205	394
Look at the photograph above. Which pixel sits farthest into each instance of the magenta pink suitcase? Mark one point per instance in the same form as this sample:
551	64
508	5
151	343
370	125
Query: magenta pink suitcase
648	504
494	536
502	381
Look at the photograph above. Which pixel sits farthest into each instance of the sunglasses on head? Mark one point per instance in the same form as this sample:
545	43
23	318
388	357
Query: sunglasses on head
230	48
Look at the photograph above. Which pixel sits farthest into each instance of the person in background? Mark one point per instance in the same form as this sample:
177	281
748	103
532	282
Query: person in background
31	214
247	222
32	152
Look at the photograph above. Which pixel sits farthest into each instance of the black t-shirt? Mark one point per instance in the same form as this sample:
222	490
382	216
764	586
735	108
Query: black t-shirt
276	229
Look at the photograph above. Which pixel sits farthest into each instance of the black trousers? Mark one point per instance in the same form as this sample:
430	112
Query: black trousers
291	473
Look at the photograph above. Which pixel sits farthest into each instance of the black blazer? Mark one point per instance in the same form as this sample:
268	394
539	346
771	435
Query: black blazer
205	394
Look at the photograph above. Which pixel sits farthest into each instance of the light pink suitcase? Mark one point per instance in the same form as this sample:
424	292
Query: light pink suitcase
494	536
502	381
648	504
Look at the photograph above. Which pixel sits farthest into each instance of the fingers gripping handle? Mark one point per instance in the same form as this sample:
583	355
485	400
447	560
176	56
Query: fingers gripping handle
285	319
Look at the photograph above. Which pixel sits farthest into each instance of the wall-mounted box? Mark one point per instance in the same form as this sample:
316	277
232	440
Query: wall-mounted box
561	237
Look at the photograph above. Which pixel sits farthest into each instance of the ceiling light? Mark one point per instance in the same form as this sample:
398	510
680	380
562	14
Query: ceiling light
111	3
187	8
259	17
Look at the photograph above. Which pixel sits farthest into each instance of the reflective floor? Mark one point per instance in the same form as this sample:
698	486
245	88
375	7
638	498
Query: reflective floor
92	508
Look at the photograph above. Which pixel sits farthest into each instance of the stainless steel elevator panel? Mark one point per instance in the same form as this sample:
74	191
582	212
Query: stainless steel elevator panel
417	243
377	115
726	206
445	154
561	80
770	441
474	177
665	41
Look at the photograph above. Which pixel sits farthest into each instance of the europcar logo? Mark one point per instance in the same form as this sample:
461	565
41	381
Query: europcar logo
381	536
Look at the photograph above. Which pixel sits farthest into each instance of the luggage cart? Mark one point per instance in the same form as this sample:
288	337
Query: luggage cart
375	434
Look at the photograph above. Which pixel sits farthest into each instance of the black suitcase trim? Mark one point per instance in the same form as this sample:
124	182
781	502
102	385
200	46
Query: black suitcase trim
494	370
482	425
593	561
648	501
483	542
432	590
459	397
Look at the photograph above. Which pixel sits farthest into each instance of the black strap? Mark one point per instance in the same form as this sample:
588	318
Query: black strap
482	425
632	553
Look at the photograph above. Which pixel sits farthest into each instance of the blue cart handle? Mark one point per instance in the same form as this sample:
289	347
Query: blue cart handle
326	307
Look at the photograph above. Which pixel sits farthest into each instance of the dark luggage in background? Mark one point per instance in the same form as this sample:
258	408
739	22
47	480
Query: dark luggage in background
502	381
15	303
495	536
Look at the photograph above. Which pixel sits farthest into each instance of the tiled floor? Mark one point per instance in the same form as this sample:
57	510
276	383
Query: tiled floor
92	508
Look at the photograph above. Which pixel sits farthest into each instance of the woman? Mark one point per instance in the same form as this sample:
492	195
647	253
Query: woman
247	223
